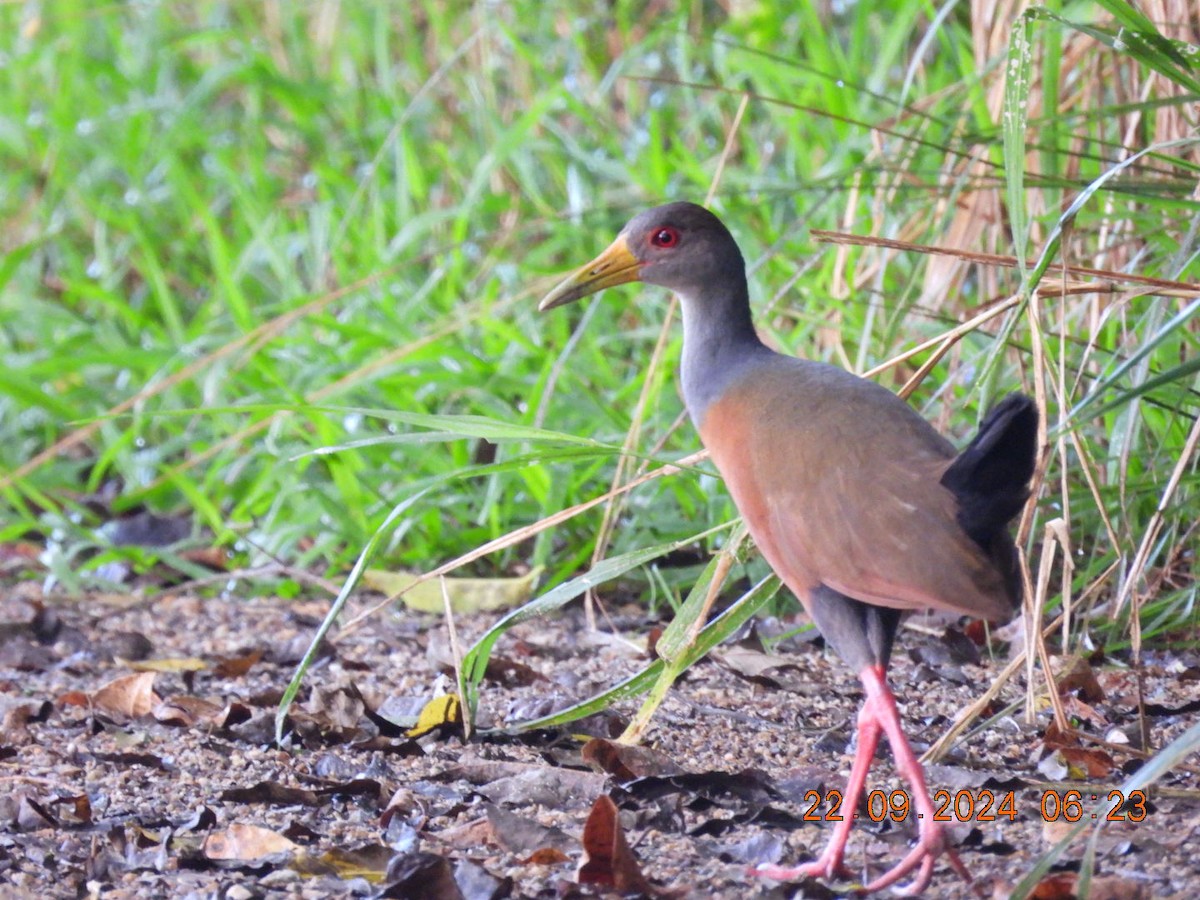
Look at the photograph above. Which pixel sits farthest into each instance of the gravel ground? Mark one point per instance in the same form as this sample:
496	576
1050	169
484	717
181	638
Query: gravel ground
167	784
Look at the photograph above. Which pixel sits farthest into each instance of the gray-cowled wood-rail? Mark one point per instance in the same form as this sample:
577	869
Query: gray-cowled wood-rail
858	504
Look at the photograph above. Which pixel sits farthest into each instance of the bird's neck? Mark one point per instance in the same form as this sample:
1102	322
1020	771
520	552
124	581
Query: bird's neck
719	342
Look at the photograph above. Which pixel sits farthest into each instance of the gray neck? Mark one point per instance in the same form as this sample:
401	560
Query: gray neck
719	344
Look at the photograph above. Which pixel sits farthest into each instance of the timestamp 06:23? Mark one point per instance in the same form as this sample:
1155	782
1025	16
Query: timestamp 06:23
984	806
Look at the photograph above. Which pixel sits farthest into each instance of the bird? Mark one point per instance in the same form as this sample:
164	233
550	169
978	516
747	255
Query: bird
859	505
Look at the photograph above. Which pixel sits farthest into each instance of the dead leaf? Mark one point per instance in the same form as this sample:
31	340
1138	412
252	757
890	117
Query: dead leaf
607	859
187	711
1076	676
1059	886
547	856
545	785
518	834
215	558
467	595
420	874
245	843
174	664
234	713
237	666
331	713
405	804
470	835
1079	709
440	712
271	792
626	762
767	669
18	713
1086	763
1062	886
76	809
369	861
1069	760
129	696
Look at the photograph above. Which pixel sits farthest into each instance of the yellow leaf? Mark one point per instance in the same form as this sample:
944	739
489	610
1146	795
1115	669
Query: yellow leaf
175	664
443	710
467	595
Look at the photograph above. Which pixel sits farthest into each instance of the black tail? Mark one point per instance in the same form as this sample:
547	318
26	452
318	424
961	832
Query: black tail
991	477
991	481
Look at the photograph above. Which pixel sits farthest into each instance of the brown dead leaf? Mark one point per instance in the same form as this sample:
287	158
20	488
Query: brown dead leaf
509	672
607	859
421	874
1054	830
331	713
129	696
14	728
1085	763
76	809
1055	738
244	842
547	856
187	711
1059	886
237	666
470	835
18	553
21	810
215	558
404	803
625	762
1077	676
234	713
1081	763
1079	709
271	792
754	665
1062	886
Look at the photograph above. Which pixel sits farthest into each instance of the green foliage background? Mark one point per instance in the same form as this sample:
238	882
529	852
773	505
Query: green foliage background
237	234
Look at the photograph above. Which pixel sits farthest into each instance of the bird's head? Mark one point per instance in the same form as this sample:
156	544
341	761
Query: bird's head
680	246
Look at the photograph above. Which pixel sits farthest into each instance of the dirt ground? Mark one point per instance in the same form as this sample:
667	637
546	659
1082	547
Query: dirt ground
137	759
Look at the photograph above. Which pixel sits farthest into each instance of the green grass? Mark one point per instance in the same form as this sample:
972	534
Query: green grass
237	234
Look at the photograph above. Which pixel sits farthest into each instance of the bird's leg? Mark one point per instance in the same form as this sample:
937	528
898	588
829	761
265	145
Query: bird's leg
830	863
931	836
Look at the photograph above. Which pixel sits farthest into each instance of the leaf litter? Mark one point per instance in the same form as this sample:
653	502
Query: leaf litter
130	771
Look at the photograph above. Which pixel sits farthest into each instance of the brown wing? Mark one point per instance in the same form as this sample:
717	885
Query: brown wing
838	480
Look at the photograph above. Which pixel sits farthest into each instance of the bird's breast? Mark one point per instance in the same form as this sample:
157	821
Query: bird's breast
732	431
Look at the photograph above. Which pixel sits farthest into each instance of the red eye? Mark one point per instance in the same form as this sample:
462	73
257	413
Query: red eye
665	237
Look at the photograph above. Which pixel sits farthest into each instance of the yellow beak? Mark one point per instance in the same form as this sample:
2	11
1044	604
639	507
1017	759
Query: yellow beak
616	265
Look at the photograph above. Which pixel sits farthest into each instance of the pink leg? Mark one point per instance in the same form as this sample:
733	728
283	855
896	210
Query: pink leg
879	715
931	839
830	863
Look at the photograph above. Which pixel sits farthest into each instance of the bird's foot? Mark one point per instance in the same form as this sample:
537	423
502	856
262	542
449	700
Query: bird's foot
828	866
931	844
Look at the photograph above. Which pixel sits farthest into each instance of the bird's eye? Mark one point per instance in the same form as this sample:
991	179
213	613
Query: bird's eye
665	237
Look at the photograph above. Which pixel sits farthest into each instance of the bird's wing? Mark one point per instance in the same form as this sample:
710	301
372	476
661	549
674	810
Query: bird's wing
884	532
840	486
